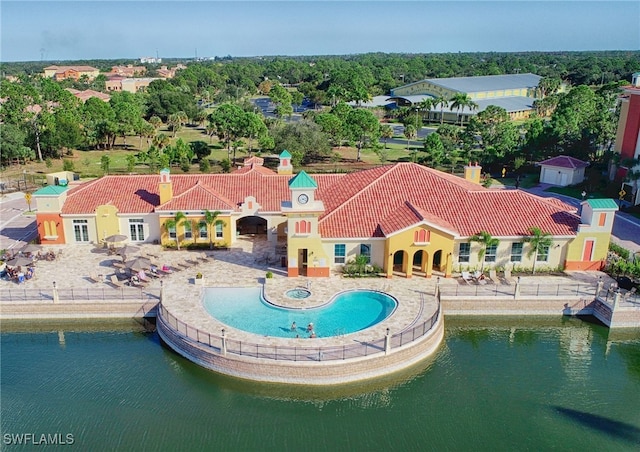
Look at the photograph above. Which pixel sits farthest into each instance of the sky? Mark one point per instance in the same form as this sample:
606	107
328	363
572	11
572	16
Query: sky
96	29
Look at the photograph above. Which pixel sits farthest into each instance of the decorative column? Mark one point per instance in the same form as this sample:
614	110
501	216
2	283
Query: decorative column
224	343
516	293
387	342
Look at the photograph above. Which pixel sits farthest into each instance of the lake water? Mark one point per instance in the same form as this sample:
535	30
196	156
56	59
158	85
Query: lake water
497	384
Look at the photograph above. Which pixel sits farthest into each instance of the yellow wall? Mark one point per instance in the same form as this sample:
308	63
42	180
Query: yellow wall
405	241
107	222
195	230
576	246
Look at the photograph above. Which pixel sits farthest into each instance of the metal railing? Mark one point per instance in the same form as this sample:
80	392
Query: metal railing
104	294
214	343
525	290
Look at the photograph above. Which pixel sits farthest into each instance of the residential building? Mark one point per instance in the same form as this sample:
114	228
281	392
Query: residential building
627	142
73	72
127	71
89	93
405	218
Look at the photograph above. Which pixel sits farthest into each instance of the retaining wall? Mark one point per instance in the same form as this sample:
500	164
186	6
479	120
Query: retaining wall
307	372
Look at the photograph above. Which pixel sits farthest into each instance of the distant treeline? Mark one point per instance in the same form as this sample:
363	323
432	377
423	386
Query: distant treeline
391	70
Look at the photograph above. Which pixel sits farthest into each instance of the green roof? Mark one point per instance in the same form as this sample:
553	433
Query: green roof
602	203
285	154
302	180
51	190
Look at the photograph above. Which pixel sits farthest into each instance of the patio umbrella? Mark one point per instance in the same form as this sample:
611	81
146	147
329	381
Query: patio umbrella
117	238
128	249
31	248
19	261
137	264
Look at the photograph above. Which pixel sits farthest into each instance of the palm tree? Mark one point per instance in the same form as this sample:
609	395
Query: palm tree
538	240
461	100
426	105
175	223
486	240
386	132
211	219
441	102
410	133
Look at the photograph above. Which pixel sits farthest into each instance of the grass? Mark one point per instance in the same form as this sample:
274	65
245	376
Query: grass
574	192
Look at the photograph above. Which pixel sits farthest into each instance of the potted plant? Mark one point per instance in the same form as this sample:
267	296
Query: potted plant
199	278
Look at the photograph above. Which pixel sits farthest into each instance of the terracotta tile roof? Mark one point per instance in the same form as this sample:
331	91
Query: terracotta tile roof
564	161
369	203
362	198
199	196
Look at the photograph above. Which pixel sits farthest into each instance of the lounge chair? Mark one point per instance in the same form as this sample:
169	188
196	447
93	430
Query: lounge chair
630	293
96	278
184	264
203	257
116	282
467	277
493	275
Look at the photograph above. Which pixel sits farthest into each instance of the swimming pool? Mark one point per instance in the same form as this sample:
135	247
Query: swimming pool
348	312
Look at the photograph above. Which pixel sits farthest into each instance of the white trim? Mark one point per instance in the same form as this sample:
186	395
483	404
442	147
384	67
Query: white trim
425	223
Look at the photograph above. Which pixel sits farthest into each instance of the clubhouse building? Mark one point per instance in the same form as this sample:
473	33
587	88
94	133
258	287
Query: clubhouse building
407	219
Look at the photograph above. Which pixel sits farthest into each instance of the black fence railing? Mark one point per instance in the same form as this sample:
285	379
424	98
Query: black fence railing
104	294
302	353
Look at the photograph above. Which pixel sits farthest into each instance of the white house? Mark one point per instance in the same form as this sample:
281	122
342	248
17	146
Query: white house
562	170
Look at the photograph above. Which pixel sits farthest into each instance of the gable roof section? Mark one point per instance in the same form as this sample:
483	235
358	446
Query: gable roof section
130	194
564	161
199	196
459	206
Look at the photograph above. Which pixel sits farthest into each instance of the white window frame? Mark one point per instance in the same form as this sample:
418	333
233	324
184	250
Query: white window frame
337	258
466	256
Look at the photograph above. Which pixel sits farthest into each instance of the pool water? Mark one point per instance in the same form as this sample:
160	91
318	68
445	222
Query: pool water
348	312
298	294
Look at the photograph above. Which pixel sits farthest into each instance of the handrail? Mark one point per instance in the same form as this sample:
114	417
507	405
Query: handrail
213	342
84	294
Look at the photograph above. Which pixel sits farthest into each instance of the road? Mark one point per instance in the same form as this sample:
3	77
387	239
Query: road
16	229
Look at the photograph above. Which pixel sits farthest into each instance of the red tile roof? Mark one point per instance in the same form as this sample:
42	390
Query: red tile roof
369	203
564	161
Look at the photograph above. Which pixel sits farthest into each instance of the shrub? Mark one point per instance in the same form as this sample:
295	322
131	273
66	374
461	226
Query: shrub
67	165
620	251
269	275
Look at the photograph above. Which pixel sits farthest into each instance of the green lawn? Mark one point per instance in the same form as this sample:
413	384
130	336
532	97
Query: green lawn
574	192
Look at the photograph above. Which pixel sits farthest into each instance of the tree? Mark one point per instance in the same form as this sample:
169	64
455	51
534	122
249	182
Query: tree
434	148
230	122
303	139
461	100
362	125
131	162
548	85
386	132
105	163
486	241
538	241
441	102
174	223
410	133
332	126
210	220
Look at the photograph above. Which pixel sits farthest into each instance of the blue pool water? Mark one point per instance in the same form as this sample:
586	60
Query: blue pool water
348	312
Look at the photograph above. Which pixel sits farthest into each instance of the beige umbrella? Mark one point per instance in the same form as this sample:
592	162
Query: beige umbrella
128	249
31	248
116	238
137	264
19	261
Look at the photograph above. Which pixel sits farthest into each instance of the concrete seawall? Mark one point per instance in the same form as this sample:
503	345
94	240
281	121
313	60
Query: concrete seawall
78	310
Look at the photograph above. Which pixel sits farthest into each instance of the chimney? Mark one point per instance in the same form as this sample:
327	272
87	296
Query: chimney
166	187
285	163
472	172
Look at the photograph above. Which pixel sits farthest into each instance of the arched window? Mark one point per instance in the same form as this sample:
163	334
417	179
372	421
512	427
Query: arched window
421	236
303	227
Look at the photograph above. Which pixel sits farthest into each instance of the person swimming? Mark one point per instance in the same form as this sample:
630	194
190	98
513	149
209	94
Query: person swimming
294	326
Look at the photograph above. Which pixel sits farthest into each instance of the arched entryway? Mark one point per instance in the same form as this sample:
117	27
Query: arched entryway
420	262
400	263
437	261
251	225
